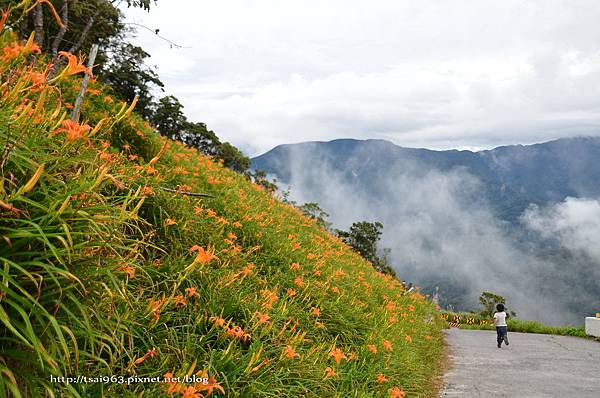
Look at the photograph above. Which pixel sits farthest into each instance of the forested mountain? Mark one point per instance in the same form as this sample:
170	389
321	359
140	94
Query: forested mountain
512	177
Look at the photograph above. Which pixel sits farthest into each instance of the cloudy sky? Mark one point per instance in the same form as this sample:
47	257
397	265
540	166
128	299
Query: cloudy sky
439	74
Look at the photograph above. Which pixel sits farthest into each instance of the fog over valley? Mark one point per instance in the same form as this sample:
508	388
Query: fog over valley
452	223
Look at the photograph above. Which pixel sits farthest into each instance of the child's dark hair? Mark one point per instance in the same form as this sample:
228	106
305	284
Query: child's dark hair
500	307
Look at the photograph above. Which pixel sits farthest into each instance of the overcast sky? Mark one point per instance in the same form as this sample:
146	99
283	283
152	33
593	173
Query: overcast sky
466	74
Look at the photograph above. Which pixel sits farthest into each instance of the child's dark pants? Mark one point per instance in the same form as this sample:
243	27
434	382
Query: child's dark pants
502	332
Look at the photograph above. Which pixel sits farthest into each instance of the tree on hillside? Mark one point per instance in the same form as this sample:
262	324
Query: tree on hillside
488	301
168	118
315	212
363	237
260	178
129	76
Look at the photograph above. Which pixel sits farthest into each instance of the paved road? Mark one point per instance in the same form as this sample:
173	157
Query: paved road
532	366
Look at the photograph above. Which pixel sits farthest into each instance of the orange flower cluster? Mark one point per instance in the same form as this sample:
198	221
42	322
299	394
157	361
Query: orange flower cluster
208	385
231	329
15	50
156	305
269	298
262	318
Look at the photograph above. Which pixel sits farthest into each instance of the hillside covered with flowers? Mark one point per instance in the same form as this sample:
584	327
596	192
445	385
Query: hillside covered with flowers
112	267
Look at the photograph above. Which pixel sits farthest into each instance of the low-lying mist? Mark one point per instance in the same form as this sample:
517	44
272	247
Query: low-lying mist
443	233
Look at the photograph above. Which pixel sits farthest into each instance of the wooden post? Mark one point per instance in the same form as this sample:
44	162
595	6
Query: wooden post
84	84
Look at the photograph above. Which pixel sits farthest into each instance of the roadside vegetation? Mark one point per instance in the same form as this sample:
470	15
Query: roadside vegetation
469	320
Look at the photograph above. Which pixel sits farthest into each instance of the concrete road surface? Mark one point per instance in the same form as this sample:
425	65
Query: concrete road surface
532	366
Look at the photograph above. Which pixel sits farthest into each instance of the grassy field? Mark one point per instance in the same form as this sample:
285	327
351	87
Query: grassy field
108	269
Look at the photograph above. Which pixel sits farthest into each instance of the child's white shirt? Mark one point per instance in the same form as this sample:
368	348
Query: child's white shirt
500	318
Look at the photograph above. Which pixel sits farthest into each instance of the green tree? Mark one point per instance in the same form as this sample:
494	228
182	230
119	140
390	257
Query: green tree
260	177
363	237
129	76
233	158
314	211
488	301
168	118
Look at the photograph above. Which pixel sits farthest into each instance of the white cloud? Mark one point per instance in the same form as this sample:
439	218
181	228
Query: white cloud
575	223
435	74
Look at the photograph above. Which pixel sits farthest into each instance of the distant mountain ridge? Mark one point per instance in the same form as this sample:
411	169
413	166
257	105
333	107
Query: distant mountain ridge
512	176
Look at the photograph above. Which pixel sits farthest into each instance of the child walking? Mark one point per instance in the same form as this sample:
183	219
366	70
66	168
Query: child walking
501	327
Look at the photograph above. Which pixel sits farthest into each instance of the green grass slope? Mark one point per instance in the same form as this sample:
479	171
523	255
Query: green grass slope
107	276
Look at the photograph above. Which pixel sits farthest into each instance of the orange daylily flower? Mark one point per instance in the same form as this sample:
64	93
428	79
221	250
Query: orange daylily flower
411	308
408	338
38	78
372	348
211	213
217	321
155	306
387	345
290	352
299	282
381	378
190	392
173	385
170	221
291	292
397	392
129	270
329	372
262	318
191	291
210	385
180	300
204	256
315	311
151	353
337	355
73	129
295	266
237	224
5	14
74	65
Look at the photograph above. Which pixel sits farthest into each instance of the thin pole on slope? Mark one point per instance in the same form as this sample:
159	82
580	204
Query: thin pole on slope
84	84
